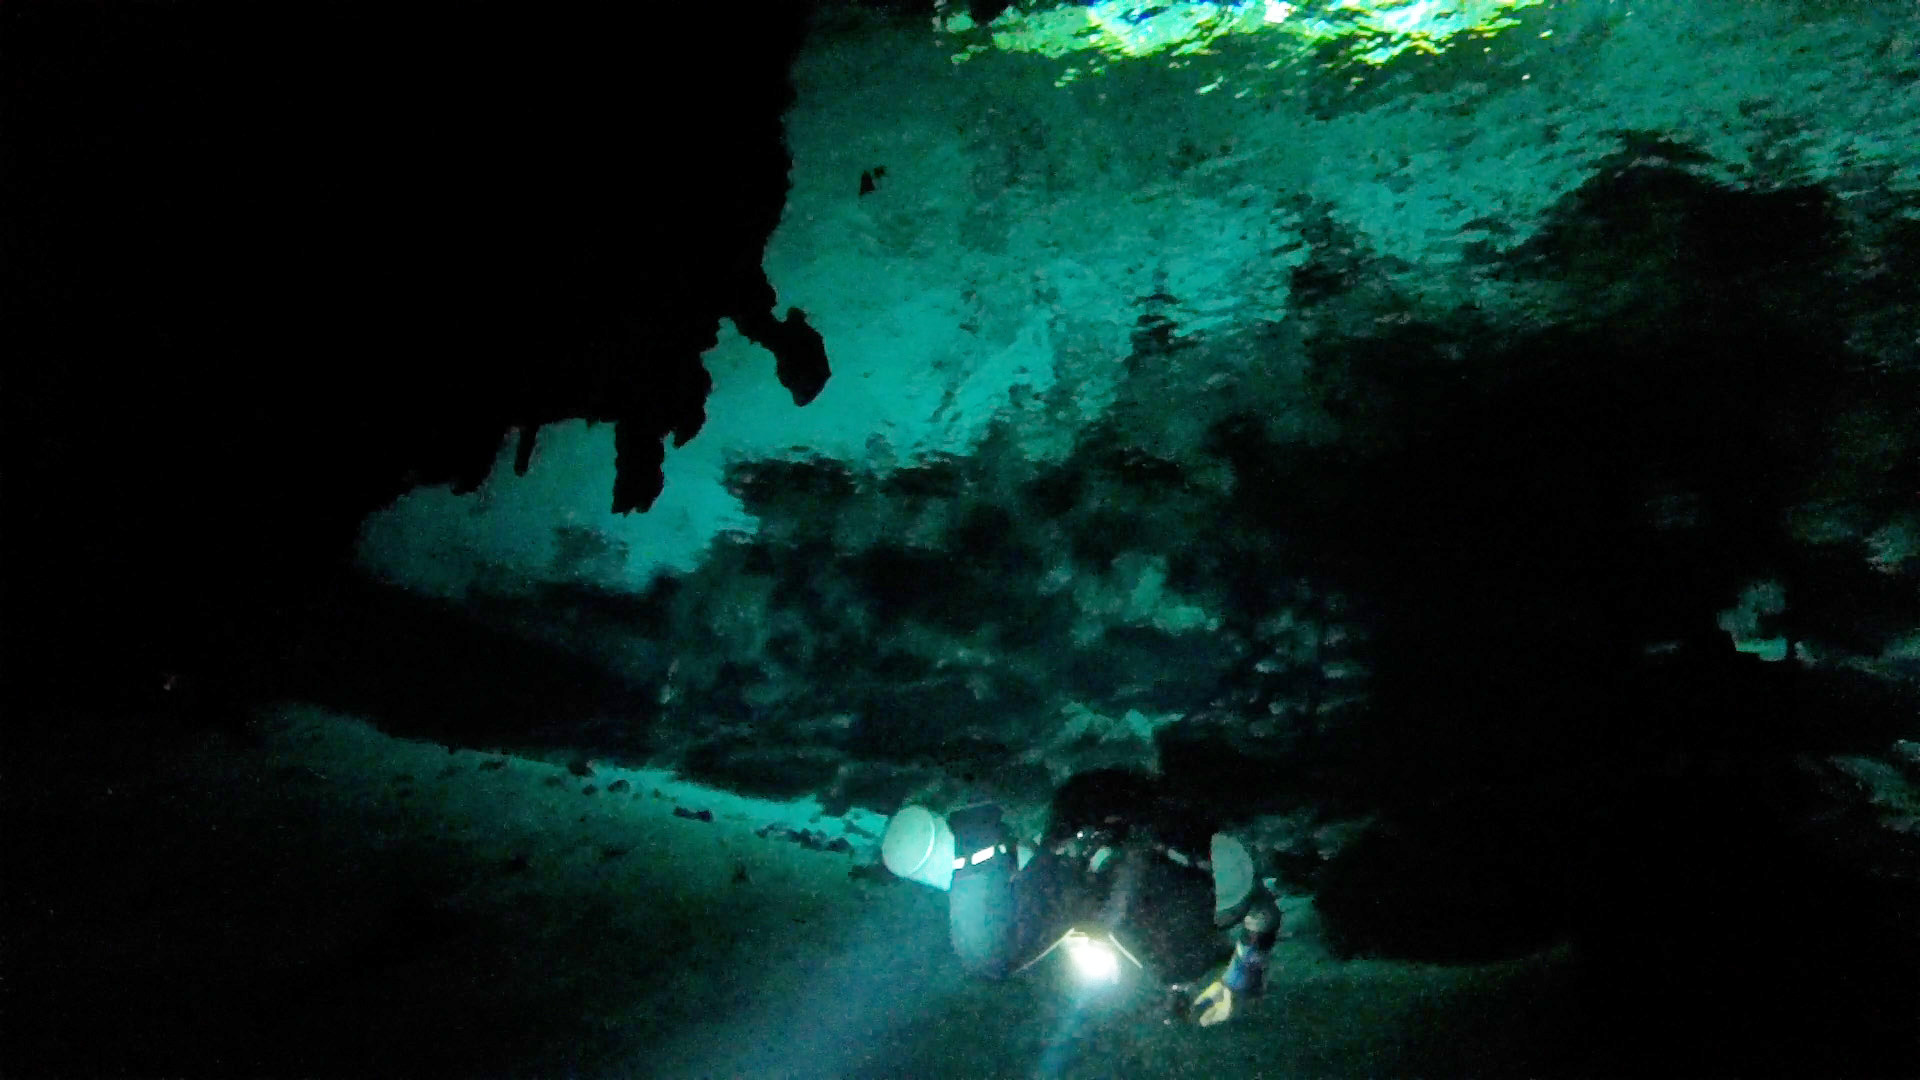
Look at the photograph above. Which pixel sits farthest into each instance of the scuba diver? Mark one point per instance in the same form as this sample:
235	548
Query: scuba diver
1245	976
1121	874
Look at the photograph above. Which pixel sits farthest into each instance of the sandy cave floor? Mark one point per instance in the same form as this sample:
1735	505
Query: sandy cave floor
328	900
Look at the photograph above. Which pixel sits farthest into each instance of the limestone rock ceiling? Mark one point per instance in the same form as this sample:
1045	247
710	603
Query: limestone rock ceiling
1241	414
1210	429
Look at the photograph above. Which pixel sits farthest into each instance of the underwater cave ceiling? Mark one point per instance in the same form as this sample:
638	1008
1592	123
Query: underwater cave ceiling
1318	446
1314	425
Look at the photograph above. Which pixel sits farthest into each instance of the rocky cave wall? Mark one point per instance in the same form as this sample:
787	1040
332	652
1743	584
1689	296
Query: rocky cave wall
1171	423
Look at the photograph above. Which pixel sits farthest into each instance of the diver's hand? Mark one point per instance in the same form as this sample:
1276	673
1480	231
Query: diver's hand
1214	1005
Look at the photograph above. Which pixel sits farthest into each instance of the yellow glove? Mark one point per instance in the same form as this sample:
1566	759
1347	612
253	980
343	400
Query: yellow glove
1215	1004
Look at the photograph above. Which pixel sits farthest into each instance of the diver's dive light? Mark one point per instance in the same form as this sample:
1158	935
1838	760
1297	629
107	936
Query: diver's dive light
1095	959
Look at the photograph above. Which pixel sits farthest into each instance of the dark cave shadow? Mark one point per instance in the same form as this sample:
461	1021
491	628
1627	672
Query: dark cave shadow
1733	935
427	668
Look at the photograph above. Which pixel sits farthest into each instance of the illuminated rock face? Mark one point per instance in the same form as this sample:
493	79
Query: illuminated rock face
1181	429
